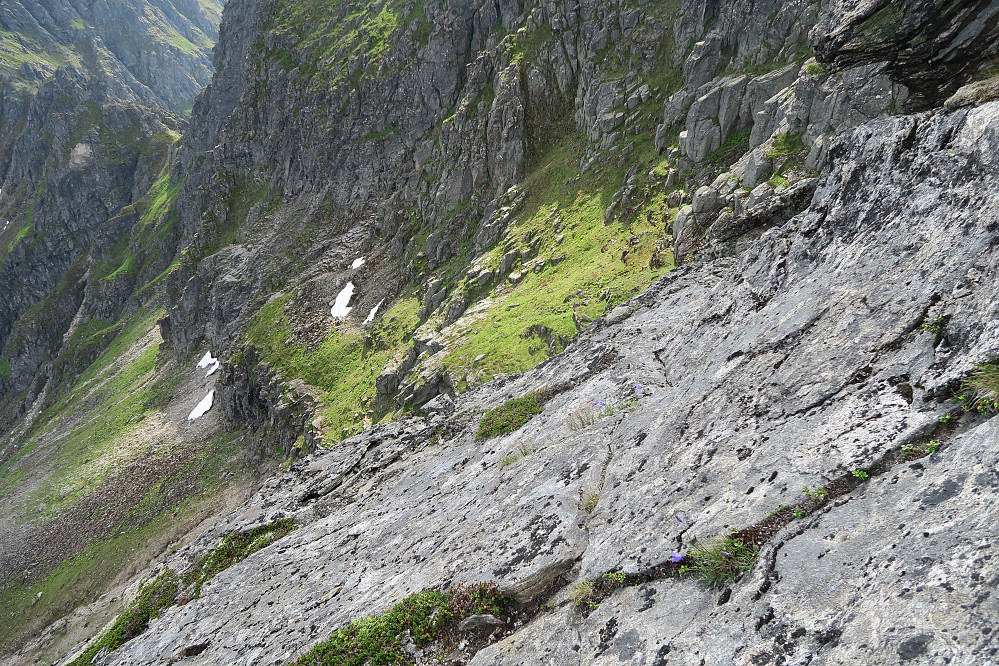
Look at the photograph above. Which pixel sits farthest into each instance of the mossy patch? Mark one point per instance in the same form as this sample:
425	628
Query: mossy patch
787	143
235	547
427	617
509	416
344	366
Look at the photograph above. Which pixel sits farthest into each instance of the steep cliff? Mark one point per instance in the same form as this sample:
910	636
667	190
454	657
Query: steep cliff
811	361
89	96
688	267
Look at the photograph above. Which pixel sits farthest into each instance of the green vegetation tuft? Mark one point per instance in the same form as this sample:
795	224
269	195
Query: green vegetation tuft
21	235
516	412
787	143
235	547
509	416
154	597
982	388
815	68
4	368
427	617
724	560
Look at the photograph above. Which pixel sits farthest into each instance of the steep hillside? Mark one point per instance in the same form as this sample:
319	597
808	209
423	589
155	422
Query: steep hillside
572	296
156	52
797	396
90	102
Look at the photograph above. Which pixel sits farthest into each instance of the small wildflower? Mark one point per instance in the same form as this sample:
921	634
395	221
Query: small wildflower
600	402
593	402
675	557
638	387
677	516
726	553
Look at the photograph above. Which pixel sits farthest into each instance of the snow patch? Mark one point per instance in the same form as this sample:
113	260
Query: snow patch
371	315
215	368
207	360
203	406
357	263
340	307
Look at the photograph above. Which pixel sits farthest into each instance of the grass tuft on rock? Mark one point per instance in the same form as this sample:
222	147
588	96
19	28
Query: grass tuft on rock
722	561
982	388
787	143
423	618
154	597
514	413
235	547
509	416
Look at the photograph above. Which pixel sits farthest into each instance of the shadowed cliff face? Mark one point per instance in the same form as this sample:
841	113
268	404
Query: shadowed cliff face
931	47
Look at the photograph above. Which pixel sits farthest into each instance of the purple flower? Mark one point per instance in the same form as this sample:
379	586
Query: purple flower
726	554
638	387
675	557
677	516
600	402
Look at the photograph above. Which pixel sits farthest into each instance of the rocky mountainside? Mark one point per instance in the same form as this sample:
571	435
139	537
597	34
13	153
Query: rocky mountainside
722	391
90	97
675	320
155	52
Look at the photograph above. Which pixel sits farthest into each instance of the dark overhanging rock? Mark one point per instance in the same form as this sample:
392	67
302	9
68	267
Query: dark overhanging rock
930	47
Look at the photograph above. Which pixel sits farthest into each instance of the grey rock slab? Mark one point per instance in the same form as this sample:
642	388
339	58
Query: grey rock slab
902	571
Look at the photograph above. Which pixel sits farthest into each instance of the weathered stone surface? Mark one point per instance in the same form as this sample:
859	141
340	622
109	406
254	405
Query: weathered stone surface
931	48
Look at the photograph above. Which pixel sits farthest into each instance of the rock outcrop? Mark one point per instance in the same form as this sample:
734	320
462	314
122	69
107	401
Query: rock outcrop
738	383
833	224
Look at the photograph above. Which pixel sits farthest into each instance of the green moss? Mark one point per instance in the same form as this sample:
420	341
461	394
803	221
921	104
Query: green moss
787	143
777	180
426	617
160	593
883	24
733	147
4	368
22	233
378	136
509	416
236	547
815	68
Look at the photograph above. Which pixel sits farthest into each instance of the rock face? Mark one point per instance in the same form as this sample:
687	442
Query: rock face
929	47
736	384
82	151
156	53
836	284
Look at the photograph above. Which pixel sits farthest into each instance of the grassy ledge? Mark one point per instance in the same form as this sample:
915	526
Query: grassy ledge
168	589
430	620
